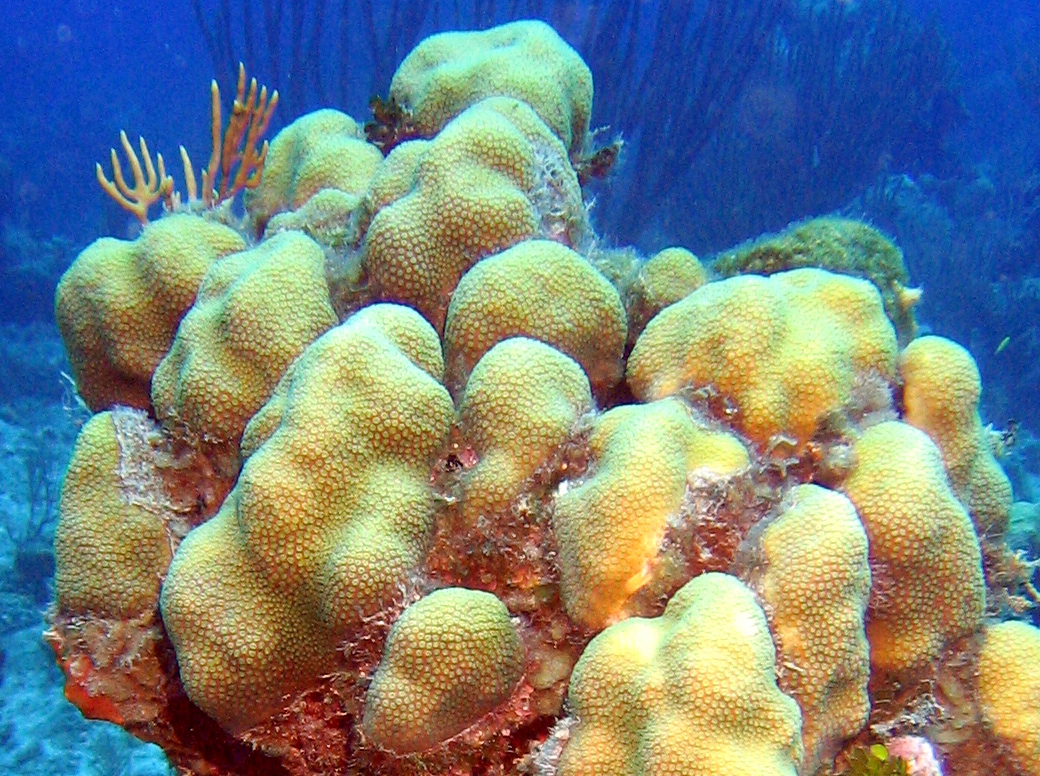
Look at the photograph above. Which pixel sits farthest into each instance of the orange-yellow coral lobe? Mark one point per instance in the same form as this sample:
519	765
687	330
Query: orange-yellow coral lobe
928	587
329	517
119	304
788	350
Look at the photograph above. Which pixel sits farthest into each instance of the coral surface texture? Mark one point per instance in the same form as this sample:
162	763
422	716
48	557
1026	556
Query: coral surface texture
402	471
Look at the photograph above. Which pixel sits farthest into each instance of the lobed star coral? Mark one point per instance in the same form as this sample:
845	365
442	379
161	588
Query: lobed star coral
448	73
702	674
427	482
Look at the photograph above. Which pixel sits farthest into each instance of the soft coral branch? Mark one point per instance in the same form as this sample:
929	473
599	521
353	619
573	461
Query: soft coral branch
148	187
234	151
234	157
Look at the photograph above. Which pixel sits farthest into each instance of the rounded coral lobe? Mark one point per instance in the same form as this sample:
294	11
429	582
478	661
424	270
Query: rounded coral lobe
450	658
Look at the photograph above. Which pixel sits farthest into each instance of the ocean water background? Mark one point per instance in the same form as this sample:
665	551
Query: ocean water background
951	171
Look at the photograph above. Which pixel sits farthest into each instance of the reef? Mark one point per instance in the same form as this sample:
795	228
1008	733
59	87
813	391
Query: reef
404	472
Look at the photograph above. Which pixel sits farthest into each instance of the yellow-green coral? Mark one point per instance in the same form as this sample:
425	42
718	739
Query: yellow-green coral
523	400
690	693
119	304
256	311
325	149
361	486
609	526
112	543
394	180
1009	690
329	217
789	350
663	279
495	176
542	290
815	587
449	72
450	658
330	514
839	245
941	390
928	588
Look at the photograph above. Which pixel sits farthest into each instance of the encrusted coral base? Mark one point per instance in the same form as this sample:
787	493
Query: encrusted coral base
939	703
125	672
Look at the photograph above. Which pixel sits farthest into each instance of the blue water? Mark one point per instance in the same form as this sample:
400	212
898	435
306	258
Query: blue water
957	187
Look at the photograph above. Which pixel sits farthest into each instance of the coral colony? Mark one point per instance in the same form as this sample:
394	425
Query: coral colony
403	472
